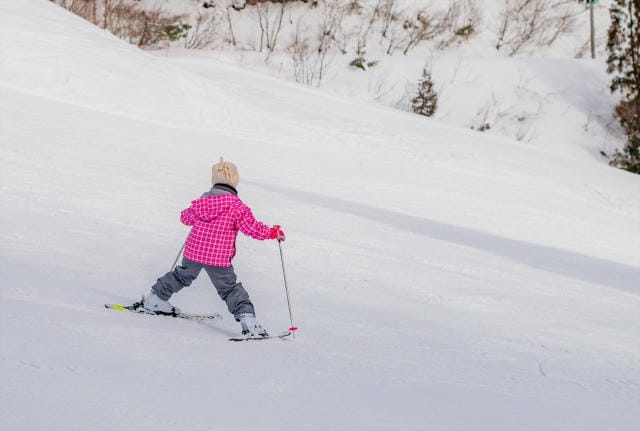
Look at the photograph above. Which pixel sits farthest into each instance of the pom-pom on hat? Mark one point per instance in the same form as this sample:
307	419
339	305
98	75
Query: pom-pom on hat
225	173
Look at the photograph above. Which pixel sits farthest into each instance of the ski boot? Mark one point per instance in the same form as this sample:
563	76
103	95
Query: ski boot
250	327
155	305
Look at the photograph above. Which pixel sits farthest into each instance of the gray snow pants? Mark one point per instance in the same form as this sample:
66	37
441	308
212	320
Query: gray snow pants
224	280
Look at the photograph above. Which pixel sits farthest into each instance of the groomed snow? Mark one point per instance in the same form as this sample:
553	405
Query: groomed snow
441	279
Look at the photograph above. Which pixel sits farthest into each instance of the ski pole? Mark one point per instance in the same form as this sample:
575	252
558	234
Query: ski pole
286	289
175	262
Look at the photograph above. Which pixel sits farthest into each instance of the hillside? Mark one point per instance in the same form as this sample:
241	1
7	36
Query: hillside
441	278
548	84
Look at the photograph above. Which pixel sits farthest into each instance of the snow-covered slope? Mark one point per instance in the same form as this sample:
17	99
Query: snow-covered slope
441	279
527	97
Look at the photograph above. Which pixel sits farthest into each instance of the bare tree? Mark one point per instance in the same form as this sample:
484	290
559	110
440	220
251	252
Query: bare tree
392	18
460	21
369	16
420	28
229	20
270	17
388	13
330	32
203	31
311	52
404	29
218	23
533	23
84	8
300	52
126	20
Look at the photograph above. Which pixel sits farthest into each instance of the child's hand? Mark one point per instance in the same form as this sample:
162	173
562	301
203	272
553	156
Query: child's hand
277	233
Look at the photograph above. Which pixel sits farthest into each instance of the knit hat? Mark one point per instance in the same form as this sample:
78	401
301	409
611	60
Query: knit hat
225	173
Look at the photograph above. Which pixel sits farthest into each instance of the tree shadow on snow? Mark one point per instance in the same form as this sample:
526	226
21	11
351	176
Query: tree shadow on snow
558	261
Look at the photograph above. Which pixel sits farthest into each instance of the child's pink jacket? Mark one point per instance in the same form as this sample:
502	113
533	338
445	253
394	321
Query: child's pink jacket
215	219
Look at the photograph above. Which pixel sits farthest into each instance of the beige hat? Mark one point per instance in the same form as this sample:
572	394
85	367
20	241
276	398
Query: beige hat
225	173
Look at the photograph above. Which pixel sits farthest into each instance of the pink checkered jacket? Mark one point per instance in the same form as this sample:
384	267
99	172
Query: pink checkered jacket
216	218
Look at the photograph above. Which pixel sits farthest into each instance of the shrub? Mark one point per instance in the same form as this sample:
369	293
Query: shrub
426	100
361	63
126	20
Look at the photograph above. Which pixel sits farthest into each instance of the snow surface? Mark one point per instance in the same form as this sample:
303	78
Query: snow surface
442	279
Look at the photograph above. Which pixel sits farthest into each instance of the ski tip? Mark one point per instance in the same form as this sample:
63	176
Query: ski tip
293	328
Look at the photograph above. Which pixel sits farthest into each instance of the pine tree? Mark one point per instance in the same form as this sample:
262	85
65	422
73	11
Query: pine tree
426	101
623	46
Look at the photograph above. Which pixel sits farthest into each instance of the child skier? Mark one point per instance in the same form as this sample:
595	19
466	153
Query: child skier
215	219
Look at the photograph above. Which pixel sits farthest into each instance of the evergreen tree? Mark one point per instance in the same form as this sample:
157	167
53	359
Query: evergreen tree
426	101
623	46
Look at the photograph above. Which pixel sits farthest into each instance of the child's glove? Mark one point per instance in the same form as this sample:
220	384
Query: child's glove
277	233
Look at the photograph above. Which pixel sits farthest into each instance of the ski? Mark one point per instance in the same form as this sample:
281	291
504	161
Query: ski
137	307
259	338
